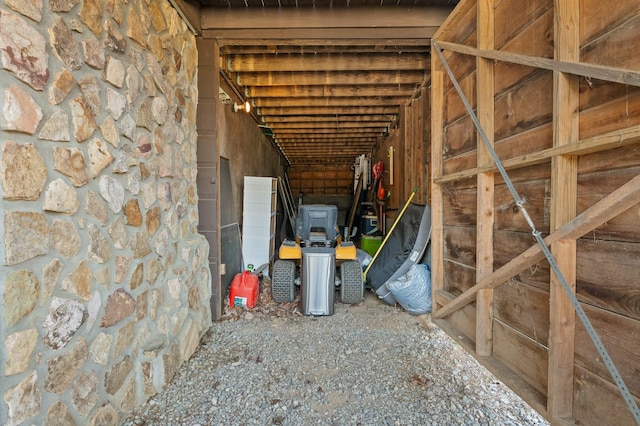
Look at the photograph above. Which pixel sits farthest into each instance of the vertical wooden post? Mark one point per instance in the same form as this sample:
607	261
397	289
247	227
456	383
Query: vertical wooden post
209	161
407	141
563	208
485	181
416	135
437	111
426	145
398	196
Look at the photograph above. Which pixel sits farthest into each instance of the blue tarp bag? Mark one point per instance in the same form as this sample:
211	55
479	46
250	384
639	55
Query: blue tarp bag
413	289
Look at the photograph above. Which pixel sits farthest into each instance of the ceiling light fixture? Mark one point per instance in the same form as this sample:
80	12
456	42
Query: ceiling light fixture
246	107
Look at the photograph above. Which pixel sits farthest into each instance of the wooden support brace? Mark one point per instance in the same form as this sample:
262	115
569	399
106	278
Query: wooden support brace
600	72
620	200
603	142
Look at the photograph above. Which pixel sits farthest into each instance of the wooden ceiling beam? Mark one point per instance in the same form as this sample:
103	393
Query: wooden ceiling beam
326	143
371	90
320	139
364	110
331	153
326	124
271	48
324	131
323	151
272	119
285	19
240	35
327	62
326	137
321	161
333	158
362	131
328	101
330	156
330	78
392	43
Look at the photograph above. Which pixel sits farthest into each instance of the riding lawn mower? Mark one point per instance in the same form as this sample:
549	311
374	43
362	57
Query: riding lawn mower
318	261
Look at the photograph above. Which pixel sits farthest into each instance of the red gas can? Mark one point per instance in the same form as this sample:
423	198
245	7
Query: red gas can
244	290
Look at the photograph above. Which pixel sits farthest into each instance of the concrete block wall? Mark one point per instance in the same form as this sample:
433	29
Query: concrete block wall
105	283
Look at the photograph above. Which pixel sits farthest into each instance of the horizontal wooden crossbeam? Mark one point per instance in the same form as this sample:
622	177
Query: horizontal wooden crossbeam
620	200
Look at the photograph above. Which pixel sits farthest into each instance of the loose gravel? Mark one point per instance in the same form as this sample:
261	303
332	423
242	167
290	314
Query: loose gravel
368	364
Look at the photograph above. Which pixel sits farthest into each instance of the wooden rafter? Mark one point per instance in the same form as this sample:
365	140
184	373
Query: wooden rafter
319	18
330	78
327	139
347	47
290	102
385	43
327	62
369	90
327	125
375	110
328	118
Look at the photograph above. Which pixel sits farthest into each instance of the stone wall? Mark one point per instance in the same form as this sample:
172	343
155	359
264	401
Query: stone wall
105	283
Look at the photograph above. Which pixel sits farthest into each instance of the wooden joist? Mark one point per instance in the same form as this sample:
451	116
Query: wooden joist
277	40
327	62
369	90
352	101
414	34
287	19
328	111
319	140
365	130
327	125
330	78
336	118
304	47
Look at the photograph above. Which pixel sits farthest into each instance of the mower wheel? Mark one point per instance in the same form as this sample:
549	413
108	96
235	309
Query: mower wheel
352	289
282	282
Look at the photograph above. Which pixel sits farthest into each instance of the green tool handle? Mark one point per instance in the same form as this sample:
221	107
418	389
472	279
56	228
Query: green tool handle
395	222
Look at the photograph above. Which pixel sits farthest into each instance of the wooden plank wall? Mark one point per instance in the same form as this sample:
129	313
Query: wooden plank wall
411	142
533	111
321	180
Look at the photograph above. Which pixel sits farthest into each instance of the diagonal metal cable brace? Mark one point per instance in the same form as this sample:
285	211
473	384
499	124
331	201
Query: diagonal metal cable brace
602	351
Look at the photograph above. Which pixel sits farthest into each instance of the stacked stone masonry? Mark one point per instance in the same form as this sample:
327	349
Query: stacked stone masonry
105	284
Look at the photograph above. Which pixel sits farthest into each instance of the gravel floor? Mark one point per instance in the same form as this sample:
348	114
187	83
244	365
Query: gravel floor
369	364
